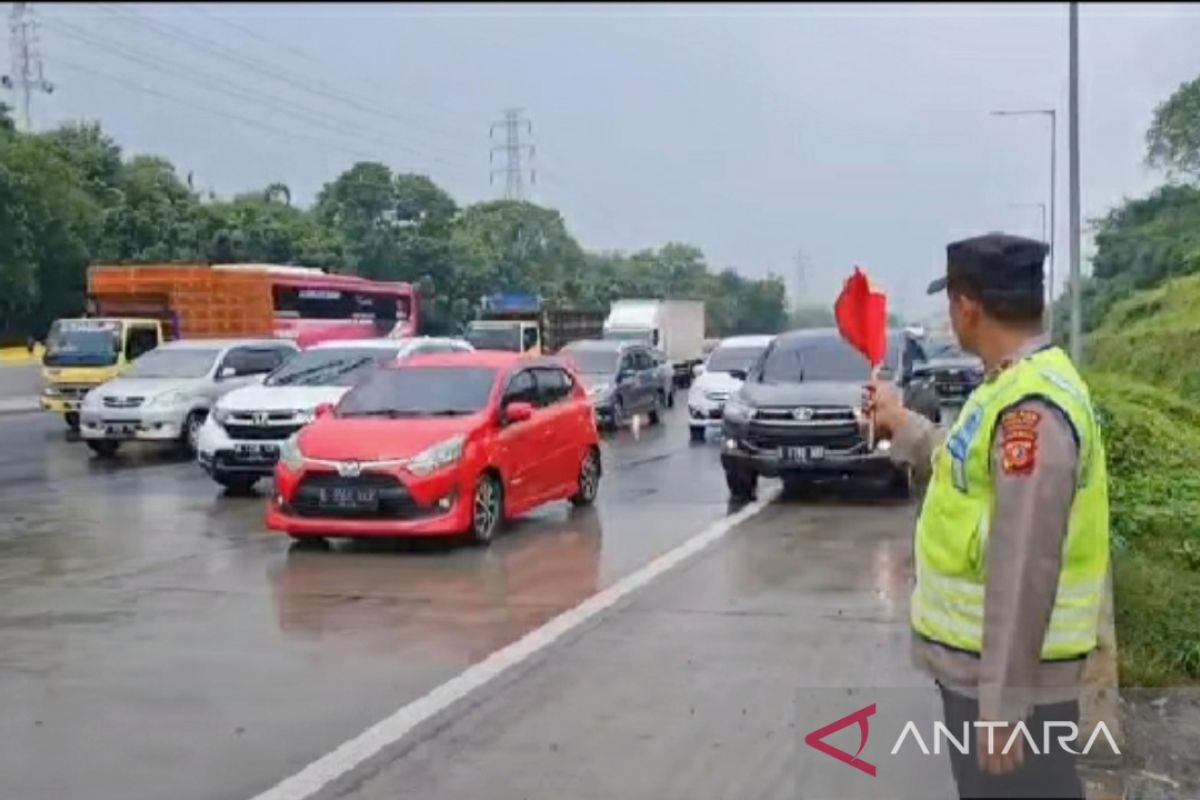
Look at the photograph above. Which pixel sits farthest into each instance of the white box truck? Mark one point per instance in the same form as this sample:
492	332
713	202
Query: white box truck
675	327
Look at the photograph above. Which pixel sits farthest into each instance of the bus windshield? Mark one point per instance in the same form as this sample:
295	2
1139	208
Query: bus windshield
83	343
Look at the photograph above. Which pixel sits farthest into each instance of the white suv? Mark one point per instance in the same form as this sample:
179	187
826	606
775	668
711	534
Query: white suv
240	441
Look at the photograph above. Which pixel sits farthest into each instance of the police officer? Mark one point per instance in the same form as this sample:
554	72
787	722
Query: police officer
1011	547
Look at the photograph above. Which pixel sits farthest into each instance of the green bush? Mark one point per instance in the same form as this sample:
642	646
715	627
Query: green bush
1152	438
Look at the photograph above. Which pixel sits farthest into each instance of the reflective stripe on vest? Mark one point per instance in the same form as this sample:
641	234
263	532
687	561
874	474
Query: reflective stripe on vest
953	530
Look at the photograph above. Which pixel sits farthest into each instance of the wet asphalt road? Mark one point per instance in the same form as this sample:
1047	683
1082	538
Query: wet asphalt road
159	642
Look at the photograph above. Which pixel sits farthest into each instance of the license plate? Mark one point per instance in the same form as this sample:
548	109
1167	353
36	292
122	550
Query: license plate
359	498
119	430
257	452
802	454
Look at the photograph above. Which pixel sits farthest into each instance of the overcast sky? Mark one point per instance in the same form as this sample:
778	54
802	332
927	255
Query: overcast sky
852	134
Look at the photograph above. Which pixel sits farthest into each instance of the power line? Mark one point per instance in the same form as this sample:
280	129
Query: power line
302	54
253	123
301	83
514	151
217	84
27	75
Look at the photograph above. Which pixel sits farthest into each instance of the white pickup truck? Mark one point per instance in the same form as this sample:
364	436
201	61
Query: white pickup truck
674	327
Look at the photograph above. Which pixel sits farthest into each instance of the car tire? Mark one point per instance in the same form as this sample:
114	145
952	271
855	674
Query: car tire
237	485
899	484
310	544
487	509
103	447
589	480
656	409
190	438
618	415
72	420
743	484
697	433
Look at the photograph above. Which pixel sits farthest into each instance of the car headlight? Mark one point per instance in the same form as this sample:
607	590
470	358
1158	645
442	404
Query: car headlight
737	411
168	399
220	415
50	391
305	416
442	454
289	453
599	390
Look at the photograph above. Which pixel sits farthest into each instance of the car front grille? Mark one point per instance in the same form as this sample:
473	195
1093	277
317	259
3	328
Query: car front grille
395	501
123	402
262	426
73	391
833	427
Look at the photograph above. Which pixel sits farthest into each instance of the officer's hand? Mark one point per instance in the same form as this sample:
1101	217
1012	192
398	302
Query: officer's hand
997	762
884	398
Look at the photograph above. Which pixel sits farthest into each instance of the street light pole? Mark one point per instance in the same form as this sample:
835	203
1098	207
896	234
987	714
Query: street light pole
1050	112
1073	156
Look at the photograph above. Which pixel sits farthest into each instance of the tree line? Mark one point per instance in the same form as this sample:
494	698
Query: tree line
1145	241
71	197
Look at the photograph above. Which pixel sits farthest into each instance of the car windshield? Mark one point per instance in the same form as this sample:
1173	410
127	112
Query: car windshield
173	364
507	339
592	362
728	359
420	392
943	348
817	359
83	343
329	367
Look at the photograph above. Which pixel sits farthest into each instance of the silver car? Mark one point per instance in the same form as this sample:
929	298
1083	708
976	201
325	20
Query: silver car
165	395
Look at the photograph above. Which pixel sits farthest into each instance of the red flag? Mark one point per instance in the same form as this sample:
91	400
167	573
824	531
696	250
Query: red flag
861	312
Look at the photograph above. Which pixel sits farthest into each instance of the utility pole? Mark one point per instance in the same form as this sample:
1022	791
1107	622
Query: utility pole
515	151
1073	157
26	75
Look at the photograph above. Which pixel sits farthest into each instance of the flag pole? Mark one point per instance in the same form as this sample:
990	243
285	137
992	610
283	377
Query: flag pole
871	418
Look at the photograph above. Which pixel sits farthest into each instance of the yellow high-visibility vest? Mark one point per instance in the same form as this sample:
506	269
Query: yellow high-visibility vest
952	532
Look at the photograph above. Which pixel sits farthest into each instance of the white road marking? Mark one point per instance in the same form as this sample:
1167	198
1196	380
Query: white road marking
319	774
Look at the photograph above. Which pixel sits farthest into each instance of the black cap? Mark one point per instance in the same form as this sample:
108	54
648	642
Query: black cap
996	266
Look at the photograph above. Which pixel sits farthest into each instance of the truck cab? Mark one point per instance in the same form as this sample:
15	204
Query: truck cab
510	335
83	353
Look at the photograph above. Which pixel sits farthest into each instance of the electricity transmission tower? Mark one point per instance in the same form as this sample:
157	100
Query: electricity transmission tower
515	151
26	76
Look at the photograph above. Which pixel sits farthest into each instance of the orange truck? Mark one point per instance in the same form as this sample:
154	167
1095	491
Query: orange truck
132	309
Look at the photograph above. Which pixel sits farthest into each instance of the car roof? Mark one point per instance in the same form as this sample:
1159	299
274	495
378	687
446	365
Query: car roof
828	333
222	344
499	359
614	345
382	344
746	341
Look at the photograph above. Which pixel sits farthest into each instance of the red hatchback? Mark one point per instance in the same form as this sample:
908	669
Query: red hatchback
443	445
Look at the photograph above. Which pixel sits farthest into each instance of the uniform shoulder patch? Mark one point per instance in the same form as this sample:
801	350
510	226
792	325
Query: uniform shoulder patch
1018	440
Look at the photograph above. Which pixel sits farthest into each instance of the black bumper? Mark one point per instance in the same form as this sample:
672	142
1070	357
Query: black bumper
772	465
226	462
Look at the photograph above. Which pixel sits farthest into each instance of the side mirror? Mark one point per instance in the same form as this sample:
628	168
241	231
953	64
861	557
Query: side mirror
624	375
226	372
738	374
323	410
517	412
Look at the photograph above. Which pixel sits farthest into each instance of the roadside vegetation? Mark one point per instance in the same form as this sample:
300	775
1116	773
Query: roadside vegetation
1142	313
71	196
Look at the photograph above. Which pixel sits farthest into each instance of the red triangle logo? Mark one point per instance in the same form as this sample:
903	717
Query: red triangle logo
816	741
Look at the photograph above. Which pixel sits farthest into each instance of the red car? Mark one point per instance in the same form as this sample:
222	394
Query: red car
443	445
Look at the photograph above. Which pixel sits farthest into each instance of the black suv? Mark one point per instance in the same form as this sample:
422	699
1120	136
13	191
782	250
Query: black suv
796	416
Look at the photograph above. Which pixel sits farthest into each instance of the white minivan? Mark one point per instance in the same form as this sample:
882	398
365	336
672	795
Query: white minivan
718	378
240	440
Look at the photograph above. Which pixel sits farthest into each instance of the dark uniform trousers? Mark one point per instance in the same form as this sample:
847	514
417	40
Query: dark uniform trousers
1048	776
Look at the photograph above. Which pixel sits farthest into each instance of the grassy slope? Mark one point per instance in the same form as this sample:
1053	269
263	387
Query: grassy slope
1154	335
1152	433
